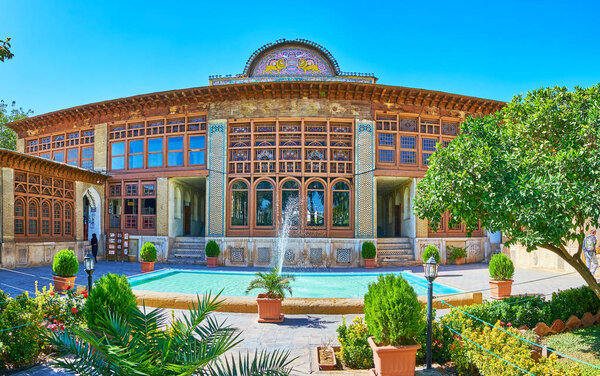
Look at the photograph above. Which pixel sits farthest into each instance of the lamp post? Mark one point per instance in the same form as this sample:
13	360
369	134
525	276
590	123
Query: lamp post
431	272
89	265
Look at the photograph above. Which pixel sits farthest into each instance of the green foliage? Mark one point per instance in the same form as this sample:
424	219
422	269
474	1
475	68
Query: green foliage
65	263
111	292
5	53
581	344
528	310
148	252
501	268
273	284
455	253
577	301
429	251
20	346
212	249
145	343
392	312
8	137
66	308
530	171
472	359
354	348
368	250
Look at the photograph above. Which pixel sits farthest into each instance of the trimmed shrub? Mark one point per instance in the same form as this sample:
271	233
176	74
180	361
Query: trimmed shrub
501	268
392	312
65	263
212	249
431	250
111	292
368	250
577	301
354	348
148	252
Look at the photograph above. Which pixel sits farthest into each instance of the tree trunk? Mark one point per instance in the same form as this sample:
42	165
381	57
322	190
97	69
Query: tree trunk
578	264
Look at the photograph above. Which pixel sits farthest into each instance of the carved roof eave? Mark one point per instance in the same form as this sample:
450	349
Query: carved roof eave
21	161
264	90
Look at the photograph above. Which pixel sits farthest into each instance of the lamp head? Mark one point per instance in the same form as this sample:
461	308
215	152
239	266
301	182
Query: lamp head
89	264
431	269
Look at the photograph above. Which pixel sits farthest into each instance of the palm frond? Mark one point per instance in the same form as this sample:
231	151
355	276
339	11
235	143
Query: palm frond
276	363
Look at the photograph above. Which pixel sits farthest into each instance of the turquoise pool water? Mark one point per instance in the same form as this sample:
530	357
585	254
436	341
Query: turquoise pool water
306	285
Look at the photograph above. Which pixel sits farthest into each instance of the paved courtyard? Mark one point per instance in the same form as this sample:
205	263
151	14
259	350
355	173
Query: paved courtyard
299	333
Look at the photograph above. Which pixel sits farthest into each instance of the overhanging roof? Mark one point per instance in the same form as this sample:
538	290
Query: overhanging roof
299	90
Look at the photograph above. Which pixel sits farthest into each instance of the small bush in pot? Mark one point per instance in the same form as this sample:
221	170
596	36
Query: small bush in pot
148	256
396	320
501	273
456	255
429	251
354	345
64	267
212	252
274	286
369	252
111	292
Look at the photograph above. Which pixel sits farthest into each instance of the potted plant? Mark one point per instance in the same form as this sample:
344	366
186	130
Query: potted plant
64	269
429	251
501	274
148	256
368	253
396	320
212	252
326	358
456	255
274	286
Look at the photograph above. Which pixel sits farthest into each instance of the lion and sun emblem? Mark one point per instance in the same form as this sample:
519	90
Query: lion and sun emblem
306	65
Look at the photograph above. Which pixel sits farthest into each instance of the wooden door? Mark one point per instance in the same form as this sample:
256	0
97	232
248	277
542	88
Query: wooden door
398	220
187	218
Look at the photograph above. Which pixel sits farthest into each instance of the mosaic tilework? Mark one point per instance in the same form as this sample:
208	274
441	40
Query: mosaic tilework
216	177
236	254
365	158
263	255
316	256
342	255
292	61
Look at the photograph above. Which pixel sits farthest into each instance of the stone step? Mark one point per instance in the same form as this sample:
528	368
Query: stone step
187	261
200	246
394	246
383	252
392	240
396	257
398	263
187	251
189	239
187	255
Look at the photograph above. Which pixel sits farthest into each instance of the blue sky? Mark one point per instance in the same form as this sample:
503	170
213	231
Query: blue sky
69	53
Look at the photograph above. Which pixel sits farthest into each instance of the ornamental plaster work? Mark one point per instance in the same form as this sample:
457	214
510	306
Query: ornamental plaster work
217	135
475	251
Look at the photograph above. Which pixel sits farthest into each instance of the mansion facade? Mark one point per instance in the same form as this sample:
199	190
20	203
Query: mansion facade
335	154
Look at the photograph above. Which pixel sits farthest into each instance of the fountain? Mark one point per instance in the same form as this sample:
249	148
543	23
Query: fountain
289	219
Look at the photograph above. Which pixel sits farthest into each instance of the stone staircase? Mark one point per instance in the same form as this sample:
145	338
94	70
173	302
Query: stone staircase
188	250
395	252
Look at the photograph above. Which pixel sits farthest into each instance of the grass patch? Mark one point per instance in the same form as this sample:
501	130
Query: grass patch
582	344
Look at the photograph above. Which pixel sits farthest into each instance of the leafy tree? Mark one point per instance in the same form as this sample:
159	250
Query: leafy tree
8	137
5	53
532	171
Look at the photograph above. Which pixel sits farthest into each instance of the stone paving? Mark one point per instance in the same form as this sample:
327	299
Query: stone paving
299	333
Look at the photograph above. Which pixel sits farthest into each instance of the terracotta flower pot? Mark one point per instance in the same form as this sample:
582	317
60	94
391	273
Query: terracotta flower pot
394	360
369	263
211	262
326	364
459	261
269	309
500	289
147	266
63	283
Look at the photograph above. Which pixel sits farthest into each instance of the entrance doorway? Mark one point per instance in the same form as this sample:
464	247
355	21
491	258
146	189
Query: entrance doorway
187	206
187	218
393	214
91	214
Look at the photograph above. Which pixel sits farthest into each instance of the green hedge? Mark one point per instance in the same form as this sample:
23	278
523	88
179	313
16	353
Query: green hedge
368	250
431	250
65	263
112	292
501	268
212	249
148	252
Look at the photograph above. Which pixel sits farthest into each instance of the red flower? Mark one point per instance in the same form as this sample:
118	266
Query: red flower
84	293
74	310
509	324
51	292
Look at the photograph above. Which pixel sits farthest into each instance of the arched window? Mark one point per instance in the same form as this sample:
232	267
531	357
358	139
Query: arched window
341	205
264	204
239	203
290	208
32	218
19	216
57	223
68	219
315	204
45	218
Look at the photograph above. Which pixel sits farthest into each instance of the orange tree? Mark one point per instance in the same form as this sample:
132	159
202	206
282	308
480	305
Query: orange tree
531	170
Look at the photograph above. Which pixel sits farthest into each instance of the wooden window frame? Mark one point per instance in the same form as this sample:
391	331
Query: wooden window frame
47	145
145	224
